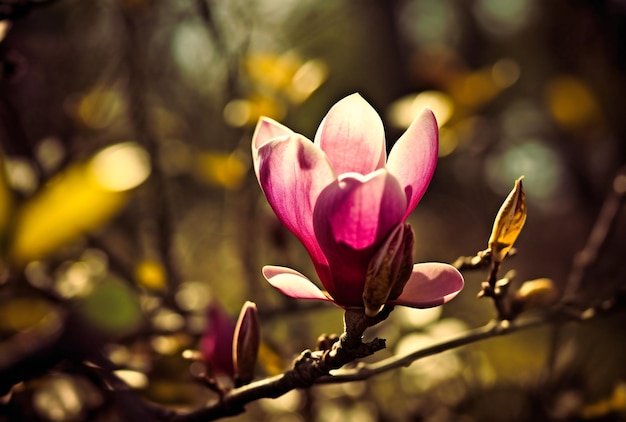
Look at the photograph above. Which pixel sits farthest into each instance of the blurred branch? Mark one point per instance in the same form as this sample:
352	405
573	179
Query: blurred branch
156	212
60	336
590	253
597	238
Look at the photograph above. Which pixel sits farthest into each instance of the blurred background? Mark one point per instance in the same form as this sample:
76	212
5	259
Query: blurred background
128	206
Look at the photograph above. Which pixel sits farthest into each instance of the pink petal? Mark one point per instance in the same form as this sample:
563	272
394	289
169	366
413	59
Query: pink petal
352	218
414	156
293	284
431	284
265	130
292	173
352	136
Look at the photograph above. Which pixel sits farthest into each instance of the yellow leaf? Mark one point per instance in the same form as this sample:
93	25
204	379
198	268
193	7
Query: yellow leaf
79	200
508	223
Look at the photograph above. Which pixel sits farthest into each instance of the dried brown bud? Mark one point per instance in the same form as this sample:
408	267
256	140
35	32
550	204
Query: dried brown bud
508	223
389	270
246	343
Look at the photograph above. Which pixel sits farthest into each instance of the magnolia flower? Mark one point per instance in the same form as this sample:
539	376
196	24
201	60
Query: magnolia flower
347	203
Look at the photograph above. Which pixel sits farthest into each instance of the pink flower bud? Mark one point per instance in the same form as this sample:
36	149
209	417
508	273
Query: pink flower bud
246	343
217	341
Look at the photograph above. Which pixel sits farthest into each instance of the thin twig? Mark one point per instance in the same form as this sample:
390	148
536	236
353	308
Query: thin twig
492	329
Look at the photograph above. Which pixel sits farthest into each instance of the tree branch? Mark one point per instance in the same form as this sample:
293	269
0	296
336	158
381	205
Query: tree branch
310	370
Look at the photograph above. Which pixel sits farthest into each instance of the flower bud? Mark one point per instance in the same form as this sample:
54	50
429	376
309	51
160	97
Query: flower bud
535	294
246	343
217	340
389	270
508	223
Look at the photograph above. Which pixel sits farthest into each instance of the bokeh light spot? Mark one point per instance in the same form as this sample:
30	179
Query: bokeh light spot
150	274
121	167
505	72
133	379
503	18
310	76
404	110
571	103
429	22
195	53
193	296
541	167
100	107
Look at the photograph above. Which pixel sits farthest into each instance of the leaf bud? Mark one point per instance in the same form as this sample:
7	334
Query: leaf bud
508	223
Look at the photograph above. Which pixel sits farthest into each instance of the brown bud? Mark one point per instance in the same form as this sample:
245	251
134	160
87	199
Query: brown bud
508	223
246	343
389	270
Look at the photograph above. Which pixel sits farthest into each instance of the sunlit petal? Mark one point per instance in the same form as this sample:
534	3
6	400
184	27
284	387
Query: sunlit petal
266	129
431	284
293	284
352	136
414	157
292	173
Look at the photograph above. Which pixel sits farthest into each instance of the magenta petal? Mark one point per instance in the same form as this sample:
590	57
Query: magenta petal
359	211
293	284
352	136
292	173
266	129
352	218
414	156
431	284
